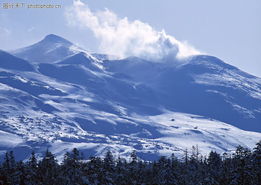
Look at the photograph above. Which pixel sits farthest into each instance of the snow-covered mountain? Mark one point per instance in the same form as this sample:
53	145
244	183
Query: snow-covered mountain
50	49
55	95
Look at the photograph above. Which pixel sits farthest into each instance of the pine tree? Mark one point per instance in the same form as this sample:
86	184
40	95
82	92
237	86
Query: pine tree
20	174
214	164
48	170
93	170
256	163
242	169
9	168
71	168
6	169
165	175
226	169
31	170
134	158
108	167
120	171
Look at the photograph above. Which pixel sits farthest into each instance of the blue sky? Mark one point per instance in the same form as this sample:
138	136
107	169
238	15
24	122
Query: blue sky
230	30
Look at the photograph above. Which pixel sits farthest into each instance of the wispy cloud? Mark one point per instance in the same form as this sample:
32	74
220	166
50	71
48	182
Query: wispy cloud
119	36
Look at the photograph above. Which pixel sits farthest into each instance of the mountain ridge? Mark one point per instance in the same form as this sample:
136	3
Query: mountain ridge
74	99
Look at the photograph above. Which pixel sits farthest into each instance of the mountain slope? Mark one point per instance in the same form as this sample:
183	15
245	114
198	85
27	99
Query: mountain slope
8	61
202	85
73	99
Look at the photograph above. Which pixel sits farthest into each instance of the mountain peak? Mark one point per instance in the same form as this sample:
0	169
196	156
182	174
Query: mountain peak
49	49
56	39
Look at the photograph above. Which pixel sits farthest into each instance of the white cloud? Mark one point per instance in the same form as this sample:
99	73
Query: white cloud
121	37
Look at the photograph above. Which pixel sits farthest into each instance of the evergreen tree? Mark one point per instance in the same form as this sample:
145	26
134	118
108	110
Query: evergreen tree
5	170
226	170
242	167
256	163
214	164
71	168
193	167
132	169
120	170
31	170
108	167
9	168
48	170
20	174
165	175
93	170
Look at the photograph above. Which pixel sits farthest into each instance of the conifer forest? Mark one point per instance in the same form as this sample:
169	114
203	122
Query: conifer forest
243	167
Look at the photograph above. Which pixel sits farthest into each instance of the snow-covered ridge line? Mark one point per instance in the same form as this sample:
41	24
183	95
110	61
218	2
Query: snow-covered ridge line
68	98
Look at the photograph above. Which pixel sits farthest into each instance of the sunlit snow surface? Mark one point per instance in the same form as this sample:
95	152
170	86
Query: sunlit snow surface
65	97
170	132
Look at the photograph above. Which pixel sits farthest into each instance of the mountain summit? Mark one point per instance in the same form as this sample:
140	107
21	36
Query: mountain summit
48	50
56	39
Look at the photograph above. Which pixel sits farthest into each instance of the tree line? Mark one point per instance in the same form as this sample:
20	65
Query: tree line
243	167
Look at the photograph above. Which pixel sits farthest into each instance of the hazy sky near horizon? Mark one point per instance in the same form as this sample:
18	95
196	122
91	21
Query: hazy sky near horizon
230	30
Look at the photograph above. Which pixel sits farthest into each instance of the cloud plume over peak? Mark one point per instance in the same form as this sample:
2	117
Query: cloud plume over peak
121	37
